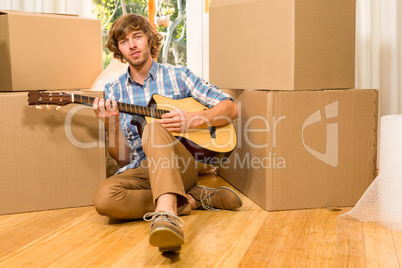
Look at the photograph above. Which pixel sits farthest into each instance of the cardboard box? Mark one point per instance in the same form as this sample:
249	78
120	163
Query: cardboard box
48	52
304	149
282	44
48	159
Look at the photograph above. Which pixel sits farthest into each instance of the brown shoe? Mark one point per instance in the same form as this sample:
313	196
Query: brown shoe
214	199
166	233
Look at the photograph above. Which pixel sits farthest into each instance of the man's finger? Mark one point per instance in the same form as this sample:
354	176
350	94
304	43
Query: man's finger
95	106
101	104
172	113
114	105
101	109
169	120
172	125
107	105
174	129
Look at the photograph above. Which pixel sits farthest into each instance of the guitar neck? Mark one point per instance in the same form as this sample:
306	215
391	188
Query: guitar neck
123	107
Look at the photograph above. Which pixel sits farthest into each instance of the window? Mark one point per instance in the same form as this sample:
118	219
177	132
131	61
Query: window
170	19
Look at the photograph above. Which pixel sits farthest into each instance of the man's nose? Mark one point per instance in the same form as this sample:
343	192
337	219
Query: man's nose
132	43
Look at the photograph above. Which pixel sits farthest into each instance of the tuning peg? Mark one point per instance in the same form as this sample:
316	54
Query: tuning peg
38	107
47	106
58	108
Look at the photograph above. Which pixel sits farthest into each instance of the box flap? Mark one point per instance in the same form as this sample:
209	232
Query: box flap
22	13
223	3
5	58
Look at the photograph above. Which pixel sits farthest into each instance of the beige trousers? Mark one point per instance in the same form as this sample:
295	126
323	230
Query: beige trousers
169	168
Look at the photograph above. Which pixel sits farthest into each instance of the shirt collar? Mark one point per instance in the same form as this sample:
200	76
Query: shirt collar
152	73
128	77
154	69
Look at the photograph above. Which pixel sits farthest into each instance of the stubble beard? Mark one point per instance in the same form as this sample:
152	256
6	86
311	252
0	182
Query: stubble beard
138	62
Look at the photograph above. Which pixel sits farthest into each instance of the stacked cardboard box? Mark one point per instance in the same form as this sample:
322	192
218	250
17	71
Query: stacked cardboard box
49	158
306	138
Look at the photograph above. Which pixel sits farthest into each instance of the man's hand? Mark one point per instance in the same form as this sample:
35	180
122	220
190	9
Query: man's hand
107	111
179	120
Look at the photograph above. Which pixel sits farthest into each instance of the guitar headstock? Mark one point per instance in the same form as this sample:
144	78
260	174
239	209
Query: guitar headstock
49	98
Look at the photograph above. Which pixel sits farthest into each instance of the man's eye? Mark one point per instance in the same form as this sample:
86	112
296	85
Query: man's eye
122	42
138	36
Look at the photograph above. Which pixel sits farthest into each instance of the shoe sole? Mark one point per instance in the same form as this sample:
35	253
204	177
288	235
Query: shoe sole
223	187
165	239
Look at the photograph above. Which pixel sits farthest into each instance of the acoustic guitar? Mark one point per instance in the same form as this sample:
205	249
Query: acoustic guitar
211	145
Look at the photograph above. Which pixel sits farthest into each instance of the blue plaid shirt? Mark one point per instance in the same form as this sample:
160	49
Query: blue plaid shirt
175	82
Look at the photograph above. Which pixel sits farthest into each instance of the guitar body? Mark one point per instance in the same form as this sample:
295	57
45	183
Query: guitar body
208	145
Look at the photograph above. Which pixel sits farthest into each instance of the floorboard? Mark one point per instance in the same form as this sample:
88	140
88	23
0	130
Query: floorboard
266	241
320	251
380	248
350	244
292	247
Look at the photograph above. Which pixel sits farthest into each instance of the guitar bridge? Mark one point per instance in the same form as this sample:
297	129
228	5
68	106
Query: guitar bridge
212	131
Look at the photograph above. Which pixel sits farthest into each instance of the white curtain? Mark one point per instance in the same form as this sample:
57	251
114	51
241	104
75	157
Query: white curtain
379	51
83	8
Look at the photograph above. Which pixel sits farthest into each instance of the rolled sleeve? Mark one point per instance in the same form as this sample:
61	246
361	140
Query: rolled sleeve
203	91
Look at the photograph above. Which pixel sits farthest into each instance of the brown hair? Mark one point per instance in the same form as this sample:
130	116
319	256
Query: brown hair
128	23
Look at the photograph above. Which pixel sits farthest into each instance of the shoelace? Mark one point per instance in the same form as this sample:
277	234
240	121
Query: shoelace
206	202
169	217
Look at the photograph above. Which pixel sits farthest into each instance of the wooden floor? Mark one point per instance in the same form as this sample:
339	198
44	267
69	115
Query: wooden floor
250	237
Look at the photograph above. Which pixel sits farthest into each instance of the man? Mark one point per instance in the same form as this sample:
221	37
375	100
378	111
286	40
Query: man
143	188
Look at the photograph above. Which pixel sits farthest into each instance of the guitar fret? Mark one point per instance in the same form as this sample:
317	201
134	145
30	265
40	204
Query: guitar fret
125	107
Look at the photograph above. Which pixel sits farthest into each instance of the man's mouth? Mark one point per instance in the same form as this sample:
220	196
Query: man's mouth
135	54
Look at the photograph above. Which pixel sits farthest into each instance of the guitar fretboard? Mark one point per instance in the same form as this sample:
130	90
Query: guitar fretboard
125	107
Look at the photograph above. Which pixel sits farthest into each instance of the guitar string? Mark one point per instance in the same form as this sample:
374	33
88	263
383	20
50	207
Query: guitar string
124	107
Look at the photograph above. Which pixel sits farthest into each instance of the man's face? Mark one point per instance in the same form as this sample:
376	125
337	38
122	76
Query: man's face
134	48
